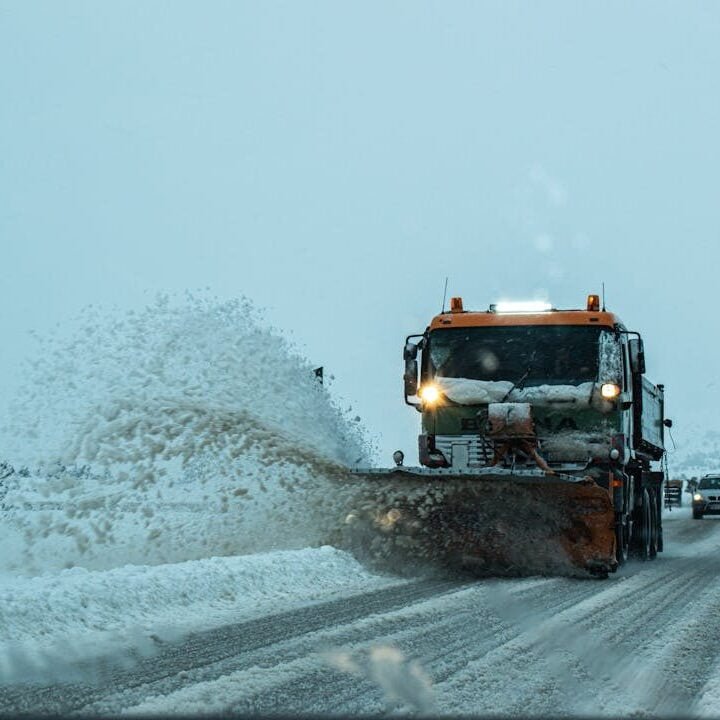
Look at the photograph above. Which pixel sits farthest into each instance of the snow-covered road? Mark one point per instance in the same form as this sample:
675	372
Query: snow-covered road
643	641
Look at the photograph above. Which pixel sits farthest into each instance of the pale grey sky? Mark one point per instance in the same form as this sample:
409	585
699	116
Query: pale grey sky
334	161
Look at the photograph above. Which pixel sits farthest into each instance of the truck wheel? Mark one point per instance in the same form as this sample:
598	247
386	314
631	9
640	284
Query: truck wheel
697	515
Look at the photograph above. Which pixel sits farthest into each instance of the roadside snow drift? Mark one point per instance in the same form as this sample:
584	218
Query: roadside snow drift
79	615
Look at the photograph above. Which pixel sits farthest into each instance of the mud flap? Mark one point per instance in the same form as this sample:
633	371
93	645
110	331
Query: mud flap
653	481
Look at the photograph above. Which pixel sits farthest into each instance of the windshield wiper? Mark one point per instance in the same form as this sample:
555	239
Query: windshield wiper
523	378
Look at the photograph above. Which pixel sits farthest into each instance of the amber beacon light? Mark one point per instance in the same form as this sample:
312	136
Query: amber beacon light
456	304
593	303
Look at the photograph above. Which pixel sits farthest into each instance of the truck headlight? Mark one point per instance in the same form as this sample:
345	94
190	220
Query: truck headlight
429	394
610	391
697	496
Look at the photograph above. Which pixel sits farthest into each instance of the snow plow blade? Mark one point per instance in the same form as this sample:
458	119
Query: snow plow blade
489	520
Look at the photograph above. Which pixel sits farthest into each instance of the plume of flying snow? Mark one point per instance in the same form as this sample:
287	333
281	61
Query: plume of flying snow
186	430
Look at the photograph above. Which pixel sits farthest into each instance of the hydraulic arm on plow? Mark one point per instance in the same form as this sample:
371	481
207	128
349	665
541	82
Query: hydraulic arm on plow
539	438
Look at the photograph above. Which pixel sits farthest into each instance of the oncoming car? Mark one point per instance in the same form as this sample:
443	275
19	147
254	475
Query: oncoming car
706	498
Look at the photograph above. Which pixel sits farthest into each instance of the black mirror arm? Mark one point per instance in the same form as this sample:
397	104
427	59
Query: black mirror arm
419	345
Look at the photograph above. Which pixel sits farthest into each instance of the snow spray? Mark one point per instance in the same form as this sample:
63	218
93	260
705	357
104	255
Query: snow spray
189	429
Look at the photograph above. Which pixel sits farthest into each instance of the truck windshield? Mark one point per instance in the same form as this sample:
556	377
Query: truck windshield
549	354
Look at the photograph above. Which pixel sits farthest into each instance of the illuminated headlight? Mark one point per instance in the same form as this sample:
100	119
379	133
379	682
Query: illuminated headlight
697	496
610	391
429	394
614	454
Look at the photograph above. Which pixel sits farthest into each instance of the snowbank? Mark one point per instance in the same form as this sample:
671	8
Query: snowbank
49	620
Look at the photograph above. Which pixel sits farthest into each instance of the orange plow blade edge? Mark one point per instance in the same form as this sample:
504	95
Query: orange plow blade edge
490	521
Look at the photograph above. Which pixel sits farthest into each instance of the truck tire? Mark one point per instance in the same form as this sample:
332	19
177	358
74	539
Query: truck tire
697	515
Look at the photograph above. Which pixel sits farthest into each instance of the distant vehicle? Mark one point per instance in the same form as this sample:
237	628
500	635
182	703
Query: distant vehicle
706	498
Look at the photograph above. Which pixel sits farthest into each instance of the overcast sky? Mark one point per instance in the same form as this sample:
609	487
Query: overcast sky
334	161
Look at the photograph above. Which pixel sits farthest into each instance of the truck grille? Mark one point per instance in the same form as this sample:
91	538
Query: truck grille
479	451
475	451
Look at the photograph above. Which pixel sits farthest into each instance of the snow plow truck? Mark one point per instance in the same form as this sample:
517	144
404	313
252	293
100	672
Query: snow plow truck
541	445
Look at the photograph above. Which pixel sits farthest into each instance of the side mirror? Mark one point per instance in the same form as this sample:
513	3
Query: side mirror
410	351
637	356
411	369
411	377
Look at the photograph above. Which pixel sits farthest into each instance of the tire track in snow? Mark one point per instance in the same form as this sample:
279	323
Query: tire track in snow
269	642
428	628
213	646
433	631
614	607
601	638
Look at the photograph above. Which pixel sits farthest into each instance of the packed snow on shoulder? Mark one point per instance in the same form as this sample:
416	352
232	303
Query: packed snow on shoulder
49	623
184	431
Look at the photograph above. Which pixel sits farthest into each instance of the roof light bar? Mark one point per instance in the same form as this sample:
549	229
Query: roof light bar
526	306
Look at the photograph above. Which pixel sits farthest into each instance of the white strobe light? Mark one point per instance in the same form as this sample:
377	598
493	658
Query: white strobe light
523	306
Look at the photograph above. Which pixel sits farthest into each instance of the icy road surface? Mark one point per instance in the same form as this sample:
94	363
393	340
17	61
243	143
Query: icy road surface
643	641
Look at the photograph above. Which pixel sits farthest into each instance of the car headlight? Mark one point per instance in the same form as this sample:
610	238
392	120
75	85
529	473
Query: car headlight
697	496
